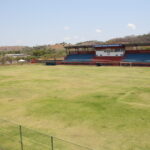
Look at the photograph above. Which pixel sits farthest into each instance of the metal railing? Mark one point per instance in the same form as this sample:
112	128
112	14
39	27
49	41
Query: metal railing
18	137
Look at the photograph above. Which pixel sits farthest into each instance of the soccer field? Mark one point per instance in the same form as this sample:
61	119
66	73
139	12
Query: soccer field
105	108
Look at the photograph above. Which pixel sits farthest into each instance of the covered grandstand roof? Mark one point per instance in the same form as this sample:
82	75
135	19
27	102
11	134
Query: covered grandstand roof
107	45
110	45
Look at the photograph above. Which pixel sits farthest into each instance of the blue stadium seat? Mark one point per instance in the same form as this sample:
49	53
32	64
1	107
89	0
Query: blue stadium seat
141	57
79	58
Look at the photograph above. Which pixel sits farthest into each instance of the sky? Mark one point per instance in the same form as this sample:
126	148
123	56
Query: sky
40	22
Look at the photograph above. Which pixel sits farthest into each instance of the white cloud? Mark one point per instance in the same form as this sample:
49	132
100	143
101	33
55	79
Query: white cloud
131	26
67	38
66	28
98	30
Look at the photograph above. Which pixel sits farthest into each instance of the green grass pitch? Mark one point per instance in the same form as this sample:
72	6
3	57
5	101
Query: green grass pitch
105	108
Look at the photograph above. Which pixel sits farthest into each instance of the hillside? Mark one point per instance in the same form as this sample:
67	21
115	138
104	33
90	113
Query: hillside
131	39
12	48
60	46
57	46
145	38
90	42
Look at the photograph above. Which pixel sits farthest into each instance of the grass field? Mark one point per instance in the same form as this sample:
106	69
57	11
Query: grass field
105	108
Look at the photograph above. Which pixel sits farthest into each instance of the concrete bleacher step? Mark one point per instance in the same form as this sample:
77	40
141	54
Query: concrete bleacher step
79	58
139	57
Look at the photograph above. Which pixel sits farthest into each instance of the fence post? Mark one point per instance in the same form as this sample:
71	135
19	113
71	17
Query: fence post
52	143
21	141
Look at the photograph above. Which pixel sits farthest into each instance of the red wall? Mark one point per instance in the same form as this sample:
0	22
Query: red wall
136	51
107	58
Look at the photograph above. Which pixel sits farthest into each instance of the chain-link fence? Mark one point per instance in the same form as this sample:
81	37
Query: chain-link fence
17	137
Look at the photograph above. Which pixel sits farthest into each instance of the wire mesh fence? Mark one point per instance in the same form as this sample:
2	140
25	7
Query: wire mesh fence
17	137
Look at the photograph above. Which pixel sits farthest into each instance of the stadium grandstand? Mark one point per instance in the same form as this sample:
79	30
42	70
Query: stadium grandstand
114	54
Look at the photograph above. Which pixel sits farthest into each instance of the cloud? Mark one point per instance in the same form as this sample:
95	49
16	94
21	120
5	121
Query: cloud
131	26
66	28
67	38
98	30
